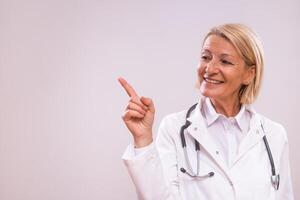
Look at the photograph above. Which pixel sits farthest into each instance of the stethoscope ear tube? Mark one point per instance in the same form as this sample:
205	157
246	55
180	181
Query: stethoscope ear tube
275	178
210	174
197	148
187	124
183	142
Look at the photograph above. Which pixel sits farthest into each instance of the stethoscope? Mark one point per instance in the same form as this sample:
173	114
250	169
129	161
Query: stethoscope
275	178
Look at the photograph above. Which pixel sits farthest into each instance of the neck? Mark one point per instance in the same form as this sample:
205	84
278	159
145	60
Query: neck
229	108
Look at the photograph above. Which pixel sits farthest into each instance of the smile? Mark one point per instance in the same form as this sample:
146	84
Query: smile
212	81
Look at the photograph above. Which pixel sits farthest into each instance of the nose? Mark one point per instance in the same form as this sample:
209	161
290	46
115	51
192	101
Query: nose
211	67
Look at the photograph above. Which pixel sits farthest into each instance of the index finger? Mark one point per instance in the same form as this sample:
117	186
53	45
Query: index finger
128	88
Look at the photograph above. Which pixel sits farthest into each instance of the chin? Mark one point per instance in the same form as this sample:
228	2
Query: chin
209	94
205	92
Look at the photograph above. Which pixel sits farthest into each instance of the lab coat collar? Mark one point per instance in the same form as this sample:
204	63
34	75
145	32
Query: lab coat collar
198	114
240	119
211	115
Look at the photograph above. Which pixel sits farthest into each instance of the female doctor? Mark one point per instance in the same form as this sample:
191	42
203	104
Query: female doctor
220	148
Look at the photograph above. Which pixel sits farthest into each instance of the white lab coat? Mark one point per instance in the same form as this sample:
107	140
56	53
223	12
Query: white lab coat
156	171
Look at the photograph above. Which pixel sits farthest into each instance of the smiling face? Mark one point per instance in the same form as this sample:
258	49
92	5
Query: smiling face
222	72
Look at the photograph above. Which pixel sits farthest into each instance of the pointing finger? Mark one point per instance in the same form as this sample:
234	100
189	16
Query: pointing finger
128	88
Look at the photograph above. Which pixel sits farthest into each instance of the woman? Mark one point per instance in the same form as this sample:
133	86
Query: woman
230	151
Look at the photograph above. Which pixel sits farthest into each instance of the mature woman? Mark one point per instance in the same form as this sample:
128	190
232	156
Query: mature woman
220	148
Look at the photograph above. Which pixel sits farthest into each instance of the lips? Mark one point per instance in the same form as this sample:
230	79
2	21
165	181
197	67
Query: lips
212	81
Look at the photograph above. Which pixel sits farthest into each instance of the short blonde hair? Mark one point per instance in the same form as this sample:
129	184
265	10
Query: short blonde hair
249	47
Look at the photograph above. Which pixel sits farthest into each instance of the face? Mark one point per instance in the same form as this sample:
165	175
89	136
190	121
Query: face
221	71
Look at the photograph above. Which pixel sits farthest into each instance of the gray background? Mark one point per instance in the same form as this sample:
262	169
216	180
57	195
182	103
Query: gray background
61	133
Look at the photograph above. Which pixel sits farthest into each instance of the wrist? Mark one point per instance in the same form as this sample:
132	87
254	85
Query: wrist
142	141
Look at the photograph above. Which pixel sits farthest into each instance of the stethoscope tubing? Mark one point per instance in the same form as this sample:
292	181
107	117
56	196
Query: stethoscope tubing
275	179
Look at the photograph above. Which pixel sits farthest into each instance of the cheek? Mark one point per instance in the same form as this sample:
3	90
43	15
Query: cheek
200	71
235	83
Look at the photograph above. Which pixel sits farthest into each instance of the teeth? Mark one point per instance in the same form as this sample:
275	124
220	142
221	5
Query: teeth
212	81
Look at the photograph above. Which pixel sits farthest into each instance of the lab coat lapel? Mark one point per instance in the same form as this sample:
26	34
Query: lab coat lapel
198	131
253	137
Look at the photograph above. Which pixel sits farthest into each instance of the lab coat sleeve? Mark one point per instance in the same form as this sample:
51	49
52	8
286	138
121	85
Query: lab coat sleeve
285	190
153	171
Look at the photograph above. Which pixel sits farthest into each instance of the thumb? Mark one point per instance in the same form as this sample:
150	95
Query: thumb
149	103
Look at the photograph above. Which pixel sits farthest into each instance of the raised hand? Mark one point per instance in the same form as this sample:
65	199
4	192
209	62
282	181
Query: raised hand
138	116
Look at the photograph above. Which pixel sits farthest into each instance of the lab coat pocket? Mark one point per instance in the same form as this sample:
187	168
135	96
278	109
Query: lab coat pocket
204	188
205	169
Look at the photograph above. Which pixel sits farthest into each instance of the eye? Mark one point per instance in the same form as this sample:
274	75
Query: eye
226	62
204	57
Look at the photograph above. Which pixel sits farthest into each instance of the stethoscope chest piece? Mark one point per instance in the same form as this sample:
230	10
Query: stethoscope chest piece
275	179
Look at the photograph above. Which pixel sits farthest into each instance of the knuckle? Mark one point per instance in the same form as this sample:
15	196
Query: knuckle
131	99
126	114
135	101
123	116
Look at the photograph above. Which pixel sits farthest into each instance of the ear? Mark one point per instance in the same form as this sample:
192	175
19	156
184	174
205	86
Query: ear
249	75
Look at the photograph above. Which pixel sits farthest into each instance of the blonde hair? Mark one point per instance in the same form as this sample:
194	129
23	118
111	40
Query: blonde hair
249	48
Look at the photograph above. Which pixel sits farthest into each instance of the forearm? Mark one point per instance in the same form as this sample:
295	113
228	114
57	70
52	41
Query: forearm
148	176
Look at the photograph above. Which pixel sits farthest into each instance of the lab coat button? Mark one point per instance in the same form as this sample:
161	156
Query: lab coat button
195	128
226	127
151	157
217	152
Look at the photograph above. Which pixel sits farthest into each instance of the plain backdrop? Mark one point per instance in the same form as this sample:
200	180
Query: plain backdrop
61	132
